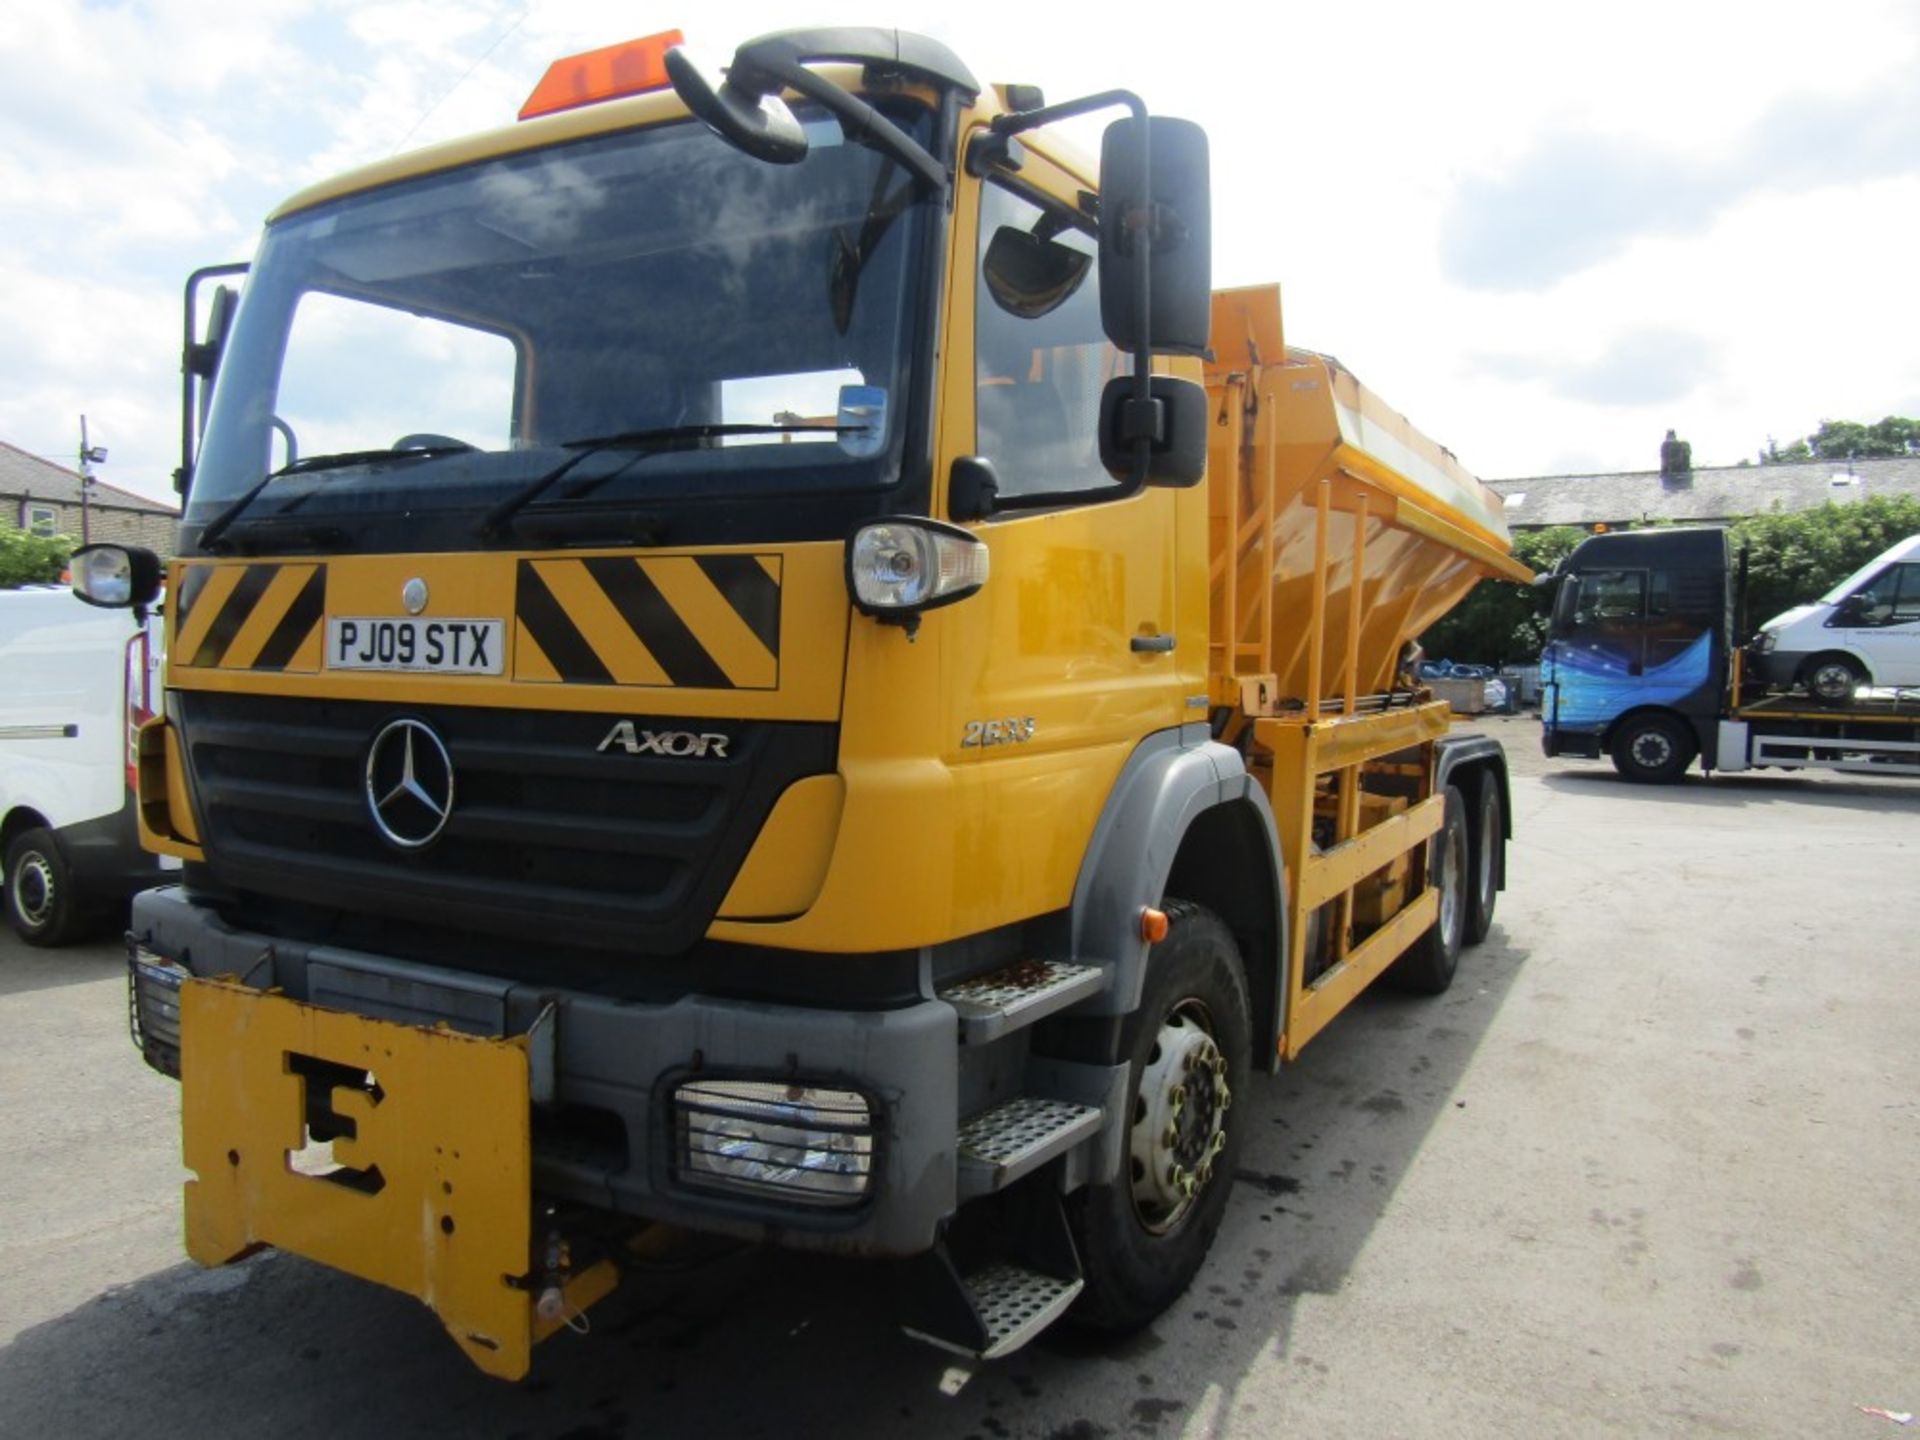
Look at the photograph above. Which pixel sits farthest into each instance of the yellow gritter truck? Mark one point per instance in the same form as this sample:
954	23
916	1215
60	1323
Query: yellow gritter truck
761	655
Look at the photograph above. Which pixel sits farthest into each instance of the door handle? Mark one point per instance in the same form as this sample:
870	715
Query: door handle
1151	644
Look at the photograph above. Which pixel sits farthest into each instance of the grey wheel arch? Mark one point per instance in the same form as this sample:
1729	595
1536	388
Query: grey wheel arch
1182	795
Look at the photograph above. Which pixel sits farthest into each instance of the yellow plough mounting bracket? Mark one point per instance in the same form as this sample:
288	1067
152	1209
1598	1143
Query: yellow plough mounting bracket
427	1187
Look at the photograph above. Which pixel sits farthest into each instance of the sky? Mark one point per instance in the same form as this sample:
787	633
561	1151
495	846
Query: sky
1544	233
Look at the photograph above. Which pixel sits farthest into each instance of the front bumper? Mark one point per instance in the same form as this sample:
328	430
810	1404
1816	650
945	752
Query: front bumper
1777	669
1557	739
601	1074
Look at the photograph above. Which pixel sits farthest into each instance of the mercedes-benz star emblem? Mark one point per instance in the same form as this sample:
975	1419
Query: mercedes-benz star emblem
409	784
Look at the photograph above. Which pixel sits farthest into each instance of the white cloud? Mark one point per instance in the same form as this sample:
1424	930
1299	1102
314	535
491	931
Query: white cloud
138	140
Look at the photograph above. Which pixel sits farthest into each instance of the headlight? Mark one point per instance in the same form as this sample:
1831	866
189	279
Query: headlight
800	1143
900	567
1764	641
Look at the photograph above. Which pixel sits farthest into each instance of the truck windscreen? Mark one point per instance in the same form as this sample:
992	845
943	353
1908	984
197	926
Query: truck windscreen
432	347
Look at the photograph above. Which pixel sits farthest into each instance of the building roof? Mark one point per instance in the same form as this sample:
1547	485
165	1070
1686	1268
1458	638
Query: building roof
22	474
1719	492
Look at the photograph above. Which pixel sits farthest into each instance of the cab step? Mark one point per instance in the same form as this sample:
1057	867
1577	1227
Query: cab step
1004	1000
1015	1304
997	1308
1016	1137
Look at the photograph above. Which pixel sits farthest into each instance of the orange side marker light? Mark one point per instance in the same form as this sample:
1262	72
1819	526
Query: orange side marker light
1153	925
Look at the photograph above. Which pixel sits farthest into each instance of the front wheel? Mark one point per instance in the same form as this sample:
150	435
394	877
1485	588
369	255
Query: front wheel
1833	678
40	900
1144	1234
1653	749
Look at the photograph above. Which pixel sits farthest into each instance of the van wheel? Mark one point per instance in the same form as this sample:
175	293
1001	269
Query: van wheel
1833	678
1427	968
1144	1234
41	904
1489	861
1653	749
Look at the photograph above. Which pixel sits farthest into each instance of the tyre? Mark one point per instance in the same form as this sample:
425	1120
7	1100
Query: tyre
1489	861
1427	968
1653	749
41	904
1144	1234
1833	678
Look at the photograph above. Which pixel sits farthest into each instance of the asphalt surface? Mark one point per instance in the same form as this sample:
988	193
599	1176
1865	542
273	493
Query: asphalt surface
1650	1168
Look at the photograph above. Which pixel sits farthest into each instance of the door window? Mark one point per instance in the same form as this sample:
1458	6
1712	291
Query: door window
1041	357
1890	598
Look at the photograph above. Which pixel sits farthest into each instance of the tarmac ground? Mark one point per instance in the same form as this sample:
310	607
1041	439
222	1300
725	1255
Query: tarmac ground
1649	1168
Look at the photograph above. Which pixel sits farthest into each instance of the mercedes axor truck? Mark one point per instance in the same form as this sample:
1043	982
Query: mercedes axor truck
764	655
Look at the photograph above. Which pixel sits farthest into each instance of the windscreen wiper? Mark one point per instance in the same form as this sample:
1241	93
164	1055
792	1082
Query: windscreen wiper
662	439
339	460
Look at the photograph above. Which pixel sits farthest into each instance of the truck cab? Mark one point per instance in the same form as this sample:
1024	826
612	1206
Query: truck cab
1636	666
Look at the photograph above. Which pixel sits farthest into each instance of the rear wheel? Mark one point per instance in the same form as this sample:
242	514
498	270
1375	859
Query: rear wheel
1489	861
1653	749
1427	968
1833	678
1144	1234
41	903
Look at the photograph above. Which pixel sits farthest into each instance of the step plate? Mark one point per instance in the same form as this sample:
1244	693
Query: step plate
990	1005
999	1146
1016	1304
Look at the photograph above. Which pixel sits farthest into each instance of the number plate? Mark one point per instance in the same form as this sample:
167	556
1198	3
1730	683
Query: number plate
384	642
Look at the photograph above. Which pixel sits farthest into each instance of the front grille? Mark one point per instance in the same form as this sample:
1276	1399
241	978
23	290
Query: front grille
549	836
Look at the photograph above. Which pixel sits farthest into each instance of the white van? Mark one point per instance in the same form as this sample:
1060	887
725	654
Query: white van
1864	631
75	683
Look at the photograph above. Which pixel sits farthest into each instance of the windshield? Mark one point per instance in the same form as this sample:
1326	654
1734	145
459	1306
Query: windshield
489	317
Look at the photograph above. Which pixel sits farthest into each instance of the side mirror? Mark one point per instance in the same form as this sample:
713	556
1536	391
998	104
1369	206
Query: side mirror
1030	277
1175	420
116	577
1566	604
1173	212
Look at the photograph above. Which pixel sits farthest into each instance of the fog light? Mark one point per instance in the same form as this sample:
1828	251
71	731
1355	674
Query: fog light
793	1142
153	1007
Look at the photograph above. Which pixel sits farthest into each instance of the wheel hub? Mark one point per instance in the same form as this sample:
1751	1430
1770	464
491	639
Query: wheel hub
1179	1118
1652	749
33	896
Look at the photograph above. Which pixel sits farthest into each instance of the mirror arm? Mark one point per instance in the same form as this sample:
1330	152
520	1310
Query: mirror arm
198	361
866	125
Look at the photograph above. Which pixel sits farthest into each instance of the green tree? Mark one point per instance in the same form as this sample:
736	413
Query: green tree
28	559
1792	557
1849	439
1500	623
1798	556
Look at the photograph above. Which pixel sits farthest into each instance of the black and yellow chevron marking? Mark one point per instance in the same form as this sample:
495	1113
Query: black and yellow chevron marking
670	620
249	617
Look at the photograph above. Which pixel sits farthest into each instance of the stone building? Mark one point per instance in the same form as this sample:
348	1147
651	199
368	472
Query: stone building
39	496
1711	495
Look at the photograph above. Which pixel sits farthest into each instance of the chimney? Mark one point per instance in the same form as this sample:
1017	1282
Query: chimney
1676	462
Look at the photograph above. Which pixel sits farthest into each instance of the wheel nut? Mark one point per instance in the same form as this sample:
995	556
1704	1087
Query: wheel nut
1172	1137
